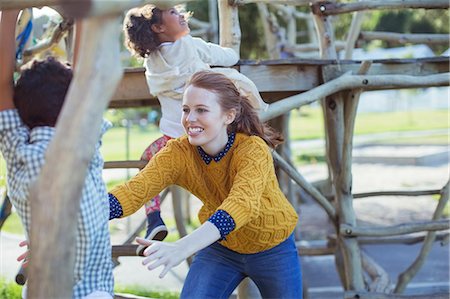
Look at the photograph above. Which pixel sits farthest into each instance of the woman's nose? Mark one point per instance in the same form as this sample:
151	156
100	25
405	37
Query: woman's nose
191	117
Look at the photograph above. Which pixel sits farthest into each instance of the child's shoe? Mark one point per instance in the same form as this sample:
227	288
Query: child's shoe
156	230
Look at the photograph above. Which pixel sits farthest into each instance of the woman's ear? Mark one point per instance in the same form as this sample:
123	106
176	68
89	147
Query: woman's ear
231	116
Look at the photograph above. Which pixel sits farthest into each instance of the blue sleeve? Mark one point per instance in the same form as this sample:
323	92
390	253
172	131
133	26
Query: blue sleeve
115	209
224	223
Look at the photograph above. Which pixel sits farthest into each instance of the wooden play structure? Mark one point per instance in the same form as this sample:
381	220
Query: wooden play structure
314	72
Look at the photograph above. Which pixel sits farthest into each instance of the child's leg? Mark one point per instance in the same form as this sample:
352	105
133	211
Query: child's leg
156	229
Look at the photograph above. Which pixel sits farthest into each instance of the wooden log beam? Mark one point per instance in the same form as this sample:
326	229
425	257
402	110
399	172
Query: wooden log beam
353	33
286	2
125	164
124	250
55	200
397	193
288	77
404	38
315	251
87	8
406	276
407	240
401	229
310	47
332	8
22	4
271	28
289	11
380	278
301	181
350	82
367	295
57	34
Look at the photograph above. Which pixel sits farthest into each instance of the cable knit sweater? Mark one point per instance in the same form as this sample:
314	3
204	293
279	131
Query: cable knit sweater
242	183
168	69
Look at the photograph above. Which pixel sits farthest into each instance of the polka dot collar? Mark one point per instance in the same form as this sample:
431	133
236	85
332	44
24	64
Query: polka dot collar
207	158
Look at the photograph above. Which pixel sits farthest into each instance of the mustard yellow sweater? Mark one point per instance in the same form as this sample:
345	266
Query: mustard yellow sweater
242	183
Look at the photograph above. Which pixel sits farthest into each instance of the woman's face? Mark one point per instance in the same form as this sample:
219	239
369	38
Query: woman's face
174	24
204	121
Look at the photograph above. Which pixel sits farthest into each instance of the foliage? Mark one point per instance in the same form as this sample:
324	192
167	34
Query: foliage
402	20
9	289
13	225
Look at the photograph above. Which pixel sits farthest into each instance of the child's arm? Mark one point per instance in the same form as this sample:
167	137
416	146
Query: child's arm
214	54
7	57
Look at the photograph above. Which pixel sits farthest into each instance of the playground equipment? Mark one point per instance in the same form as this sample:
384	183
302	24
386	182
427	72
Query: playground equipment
287	84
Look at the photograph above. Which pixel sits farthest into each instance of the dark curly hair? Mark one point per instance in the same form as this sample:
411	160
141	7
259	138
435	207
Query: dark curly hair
140	39
40	91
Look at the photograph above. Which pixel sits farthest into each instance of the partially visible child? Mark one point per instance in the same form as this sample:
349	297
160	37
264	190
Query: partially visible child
28	113
171	55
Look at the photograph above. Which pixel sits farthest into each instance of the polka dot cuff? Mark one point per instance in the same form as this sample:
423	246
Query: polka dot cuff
115	209
224	223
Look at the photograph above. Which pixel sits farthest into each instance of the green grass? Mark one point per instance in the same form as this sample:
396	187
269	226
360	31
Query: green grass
308	122
140	291
114	145
10	289
13	225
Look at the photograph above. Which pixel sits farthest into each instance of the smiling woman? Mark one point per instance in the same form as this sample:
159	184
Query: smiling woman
225	161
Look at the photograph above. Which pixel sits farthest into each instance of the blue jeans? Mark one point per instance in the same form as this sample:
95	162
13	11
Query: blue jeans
216	271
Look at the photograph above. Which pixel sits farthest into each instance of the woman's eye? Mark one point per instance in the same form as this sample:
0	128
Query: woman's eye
185	110
201	110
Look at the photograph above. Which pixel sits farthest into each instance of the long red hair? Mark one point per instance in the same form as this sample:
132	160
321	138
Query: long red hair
247	120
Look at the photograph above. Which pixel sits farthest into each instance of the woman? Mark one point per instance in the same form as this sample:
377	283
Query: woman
247	222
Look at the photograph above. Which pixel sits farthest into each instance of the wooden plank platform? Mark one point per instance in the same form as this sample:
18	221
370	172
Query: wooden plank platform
278	79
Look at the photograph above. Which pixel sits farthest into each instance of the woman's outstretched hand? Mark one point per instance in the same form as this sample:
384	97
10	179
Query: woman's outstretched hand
170	255
162	253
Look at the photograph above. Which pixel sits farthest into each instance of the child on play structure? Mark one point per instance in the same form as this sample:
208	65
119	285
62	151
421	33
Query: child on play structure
171	55
247	223
28	114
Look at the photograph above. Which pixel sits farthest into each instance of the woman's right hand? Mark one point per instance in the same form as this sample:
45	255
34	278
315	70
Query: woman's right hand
162	253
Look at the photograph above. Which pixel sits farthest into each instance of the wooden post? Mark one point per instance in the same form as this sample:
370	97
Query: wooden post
229	31
55	200
270	29
338	145
353	33
212	13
